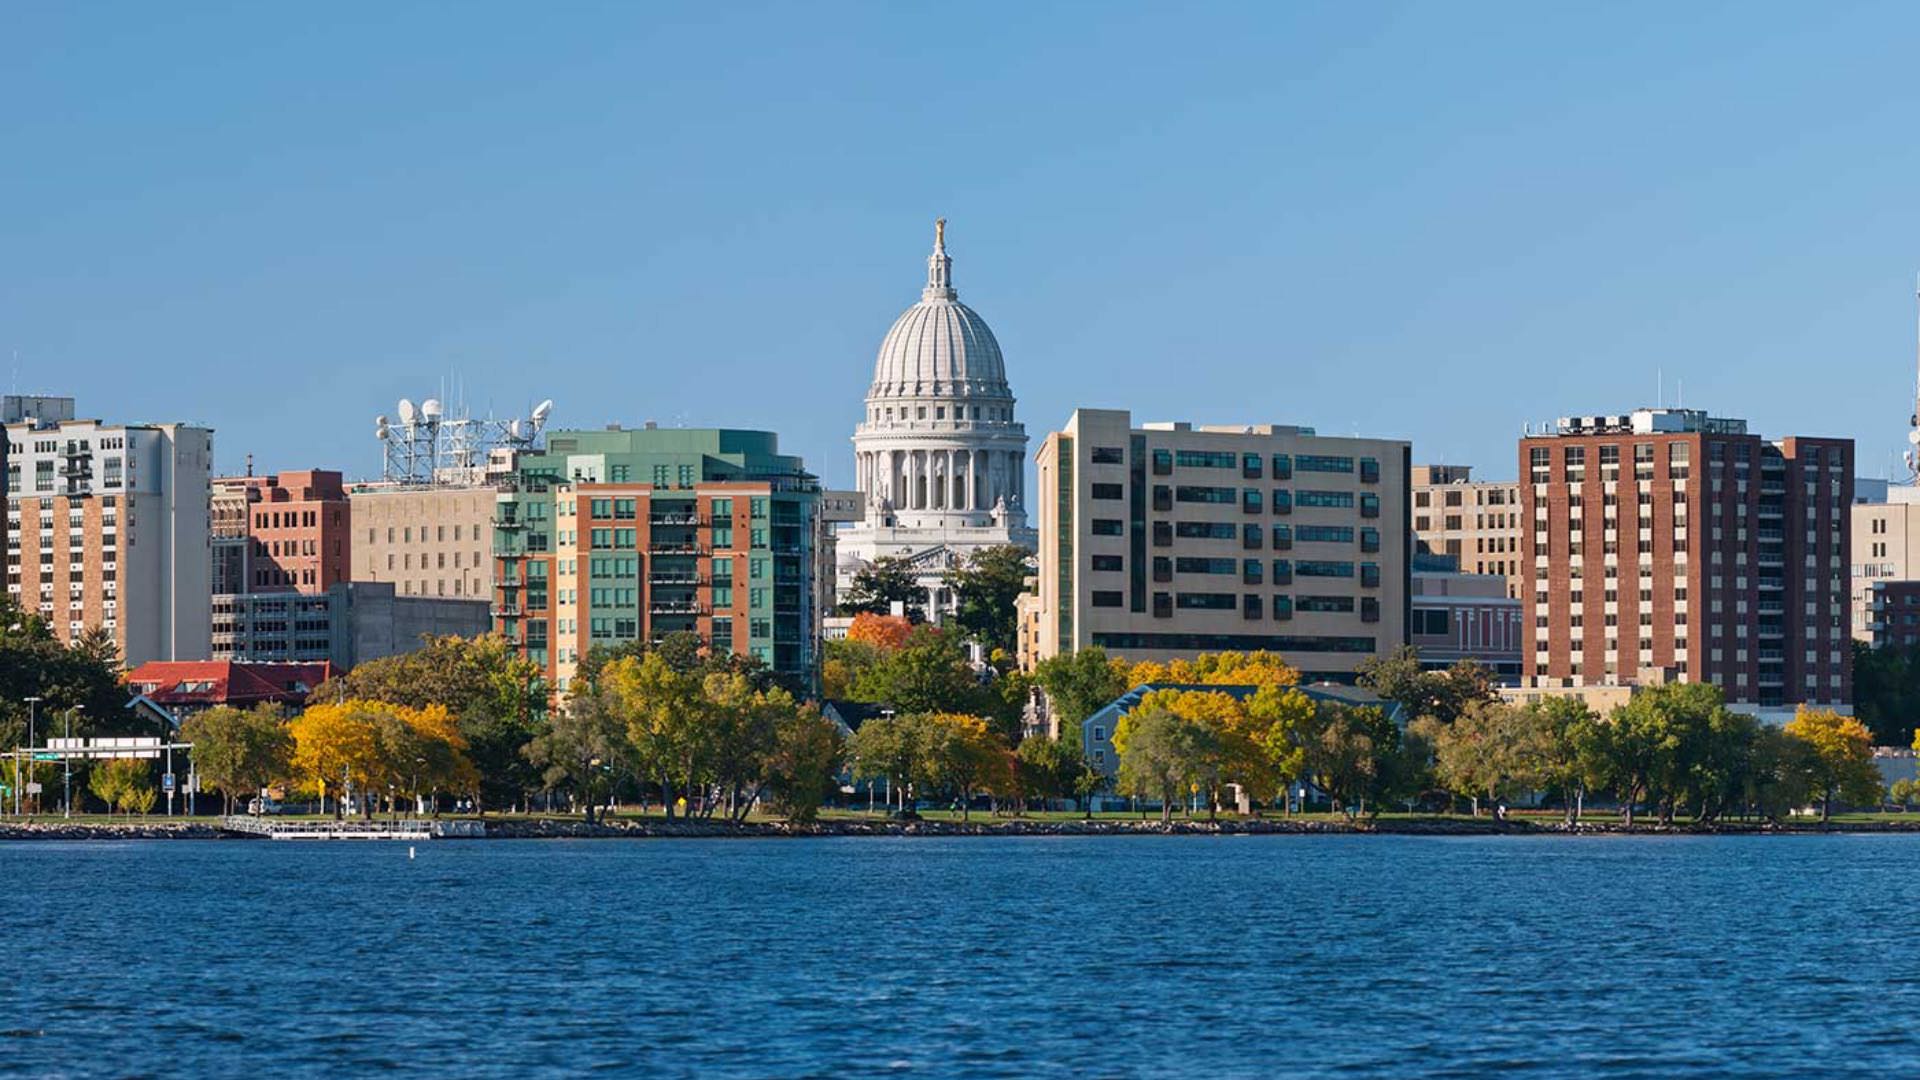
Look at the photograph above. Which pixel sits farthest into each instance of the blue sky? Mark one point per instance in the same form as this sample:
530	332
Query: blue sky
1432	221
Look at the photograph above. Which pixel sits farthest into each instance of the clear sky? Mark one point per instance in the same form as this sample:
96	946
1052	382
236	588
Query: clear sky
1435	221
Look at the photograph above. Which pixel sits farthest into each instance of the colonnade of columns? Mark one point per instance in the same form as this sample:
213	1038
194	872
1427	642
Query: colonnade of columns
943	479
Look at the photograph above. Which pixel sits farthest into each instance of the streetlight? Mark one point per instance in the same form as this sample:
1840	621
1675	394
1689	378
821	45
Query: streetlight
66	758
32	701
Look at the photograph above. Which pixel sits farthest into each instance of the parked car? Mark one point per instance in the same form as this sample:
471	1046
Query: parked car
265	805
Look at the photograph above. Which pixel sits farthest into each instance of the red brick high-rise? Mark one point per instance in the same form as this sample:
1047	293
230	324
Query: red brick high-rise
1670	541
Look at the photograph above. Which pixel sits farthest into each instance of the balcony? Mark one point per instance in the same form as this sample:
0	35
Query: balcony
676	607
676	579
506	611
677	549
508	523
676	519
508	583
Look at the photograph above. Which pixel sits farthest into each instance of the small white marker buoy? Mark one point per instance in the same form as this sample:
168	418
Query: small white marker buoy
409	851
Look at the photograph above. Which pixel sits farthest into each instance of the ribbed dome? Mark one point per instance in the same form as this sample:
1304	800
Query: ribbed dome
939	346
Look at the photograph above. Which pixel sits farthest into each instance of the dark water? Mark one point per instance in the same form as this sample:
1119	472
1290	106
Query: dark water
1245	956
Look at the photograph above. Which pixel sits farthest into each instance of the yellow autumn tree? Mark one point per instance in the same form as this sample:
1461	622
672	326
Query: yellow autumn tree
335	743
1840	761
1259	668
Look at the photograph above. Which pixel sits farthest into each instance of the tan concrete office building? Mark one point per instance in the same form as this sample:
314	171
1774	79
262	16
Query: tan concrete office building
1885	548
1475	521
1170	540
427	541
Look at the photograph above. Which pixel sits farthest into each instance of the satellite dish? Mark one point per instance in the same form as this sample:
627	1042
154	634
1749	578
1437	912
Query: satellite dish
541	412
380	430
513	428
1914	436
430	409
407	412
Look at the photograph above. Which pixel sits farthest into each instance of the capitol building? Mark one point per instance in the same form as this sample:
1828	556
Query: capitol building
940	460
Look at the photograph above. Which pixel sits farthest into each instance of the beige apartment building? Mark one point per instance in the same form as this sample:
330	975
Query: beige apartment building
1169	540
427	541
107	527
1475	521
1885	548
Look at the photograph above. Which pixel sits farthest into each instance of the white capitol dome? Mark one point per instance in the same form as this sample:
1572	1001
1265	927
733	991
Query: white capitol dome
939	446
939	346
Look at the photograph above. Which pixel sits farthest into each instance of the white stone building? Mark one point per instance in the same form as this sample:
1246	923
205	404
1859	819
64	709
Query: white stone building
939	457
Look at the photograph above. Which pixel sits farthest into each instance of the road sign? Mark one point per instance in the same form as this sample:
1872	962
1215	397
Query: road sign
166	782
33	787
46	757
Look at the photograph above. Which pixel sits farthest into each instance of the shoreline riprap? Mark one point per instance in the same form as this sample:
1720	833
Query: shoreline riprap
658	828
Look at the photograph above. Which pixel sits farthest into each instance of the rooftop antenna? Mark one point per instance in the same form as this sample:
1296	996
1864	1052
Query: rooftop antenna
1660	386
1912	456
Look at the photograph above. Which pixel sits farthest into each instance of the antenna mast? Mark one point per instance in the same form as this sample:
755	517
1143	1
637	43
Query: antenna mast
1913	419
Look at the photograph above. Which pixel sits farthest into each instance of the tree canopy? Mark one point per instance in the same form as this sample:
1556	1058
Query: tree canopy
986	586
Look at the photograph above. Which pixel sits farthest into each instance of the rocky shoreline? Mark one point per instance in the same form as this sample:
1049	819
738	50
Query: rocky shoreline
565	829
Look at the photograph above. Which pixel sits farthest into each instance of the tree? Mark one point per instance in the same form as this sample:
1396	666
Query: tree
336	744
877	586
1399	677
883	632
1052	768
668	723
498	698
958	754
120	782
804	763
986	587
580	749
1164	755
239	752
1078	684
1886	691
883	749
1348	751
34	663
928	674
1840	762
1257	668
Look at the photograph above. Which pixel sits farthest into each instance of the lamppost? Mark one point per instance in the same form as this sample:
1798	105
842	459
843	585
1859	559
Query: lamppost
32	701
66	758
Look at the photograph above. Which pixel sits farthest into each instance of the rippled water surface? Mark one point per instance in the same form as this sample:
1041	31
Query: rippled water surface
1243	956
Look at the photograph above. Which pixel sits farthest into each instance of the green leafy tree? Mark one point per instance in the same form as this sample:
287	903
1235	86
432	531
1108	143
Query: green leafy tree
33	663
1052	768
985	587
883	748
804	763
1886	691
1349	754
239	752
581	749
878	586
1080	683
1165	756
929	674
1443	695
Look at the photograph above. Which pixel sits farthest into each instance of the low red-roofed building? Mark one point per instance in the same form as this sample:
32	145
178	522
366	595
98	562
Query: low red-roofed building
183	687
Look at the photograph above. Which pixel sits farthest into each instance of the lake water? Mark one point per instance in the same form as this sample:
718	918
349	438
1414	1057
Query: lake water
1295	956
